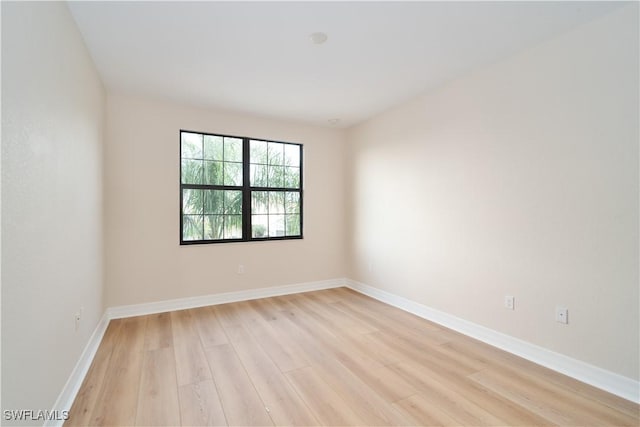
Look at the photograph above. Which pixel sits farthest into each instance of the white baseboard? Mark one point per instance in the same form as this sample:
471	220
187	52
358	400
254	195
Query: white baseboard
205	300
71	388
613	383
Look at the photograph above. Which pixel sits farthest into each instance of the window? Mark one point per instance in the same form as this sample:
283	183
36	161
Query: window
235	189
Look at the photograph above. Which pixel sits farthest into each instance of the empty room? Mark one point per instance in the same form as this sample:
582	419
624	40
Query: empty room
320	213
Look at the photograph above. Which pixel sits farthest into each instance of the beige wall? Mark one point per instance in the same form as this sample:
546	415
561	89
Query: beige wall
144	261
52	126
519	179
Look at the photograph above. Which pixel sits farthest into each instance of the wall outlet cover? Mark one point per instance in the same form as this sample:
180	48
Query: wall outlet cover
562	315
509	302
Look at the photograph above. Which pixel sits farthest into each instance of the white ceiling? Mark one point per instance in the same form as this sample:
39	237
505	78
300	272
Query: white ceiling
257	57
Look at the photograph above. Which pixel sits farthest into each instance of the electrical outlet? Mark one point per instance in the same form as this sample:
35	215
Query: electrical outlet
240	269
509	302
562	315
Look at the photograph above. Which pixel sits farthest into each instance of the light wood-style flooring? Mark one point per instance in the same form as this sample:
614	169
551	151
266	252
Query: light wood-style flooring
331	357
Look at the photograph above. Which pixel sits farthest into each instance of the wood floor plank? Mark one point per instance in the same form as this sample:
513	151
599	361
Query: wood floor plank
382	353
266	308
241	403
324	296
388	313
117	401
337	319
284	404
282	302
184	329
236	332
553	402
420	352
191	364
327	406
332	357
227	315
277	345
209	328
370	407
398	325
338	340
159	333
158	397
200	405
460	385
424	413
496	359
456	405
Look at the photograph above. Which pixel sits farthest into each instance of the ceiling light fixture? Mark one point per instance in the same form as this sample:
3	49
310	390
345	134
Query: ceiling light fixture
318	38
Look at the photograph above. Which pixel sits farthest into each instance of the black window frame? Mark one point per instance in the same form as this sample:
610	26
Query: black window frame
246	189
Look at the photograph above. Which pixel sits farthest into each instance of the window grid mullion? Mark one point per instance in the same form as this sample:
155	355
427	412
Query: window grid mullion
246	190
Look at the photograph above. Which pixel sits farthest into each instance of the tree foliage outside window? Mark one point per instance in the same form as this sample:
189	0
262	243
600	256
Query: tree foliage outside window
239	189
